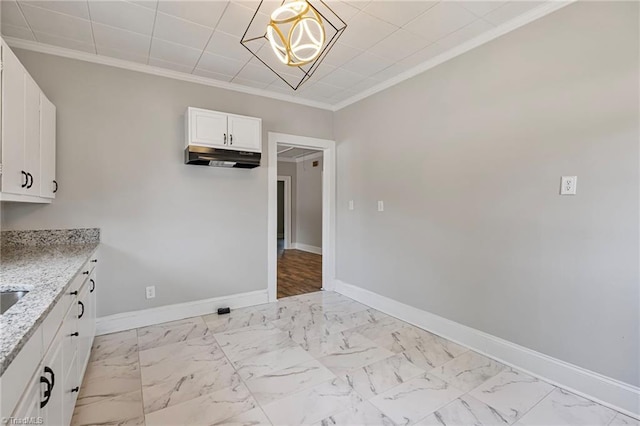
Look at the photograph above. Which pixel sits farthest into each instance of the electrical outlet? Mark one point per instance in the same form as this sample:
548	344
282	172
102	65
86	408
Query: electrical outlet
380	206
351	207
568	185
151	292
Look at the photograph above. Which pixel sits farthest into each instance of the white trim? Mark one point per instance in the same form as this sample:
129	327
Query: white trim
23	198
287	210
604	390
163	72
307	248
300	159
328	147
546	8
534	14
152	316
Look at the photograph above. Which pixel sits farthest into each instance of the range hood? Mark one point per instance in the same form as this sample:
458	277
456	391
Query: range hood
216	157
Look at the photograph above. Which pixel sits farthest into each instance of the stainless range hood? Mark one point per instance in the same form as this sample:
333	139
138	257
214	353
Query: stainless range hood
216	157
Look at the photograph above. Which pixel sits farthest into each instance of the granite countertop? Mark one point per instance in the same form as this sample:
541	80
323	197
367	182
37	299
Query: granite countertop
45	270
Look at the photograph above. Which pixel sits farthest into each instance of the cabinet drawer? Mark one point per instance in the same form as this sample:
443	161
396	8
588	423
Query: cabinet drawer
54	319
16	377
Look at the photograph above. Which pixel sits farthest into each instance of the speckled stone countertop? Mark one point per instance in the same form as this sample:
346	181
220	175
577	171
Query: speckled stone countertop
38	263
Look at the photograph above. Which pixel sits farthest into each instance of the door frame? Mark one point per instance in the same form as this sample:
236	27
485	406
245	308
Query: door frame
287	210
328	148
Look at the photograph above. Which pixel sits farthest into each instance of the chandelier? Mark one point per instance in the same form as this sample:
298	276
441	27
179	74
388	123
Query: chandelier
293	38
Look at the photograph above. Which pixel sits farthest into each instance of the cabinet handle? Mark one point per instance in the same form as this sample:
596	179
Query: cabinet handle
82	312
46	393
74	293
76	389
30	177
230	139
50	384
26	179
74	334
93	285
56	184
94	260
225	138
85	273
53	376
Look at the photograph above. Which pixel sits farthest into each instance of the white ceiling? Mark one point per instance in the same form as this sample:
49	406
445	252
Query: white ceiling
289	153
383	38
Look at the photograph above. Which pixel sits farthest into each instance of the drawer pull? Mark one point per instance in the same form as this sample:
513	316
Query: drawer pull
30	177
93	285
76	334
56	184
81	312
94	260
26	179
76	389
74	293
85	273
50	384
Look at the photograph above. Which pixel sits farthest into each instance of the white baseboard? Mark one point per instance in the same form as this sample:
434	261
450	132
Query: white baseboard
306	247
602	389
145	317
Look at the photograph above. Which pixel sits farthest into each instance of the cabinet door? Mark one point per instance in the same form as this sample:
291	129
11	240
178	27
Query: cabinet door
52	379
48	184
29	406
13	123
244	133
32	135
207	128
85	329
71	389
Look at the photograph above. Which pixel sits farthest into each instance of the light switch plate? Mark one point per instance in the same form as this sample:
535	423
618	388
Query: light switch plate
351	206
380	206
568	185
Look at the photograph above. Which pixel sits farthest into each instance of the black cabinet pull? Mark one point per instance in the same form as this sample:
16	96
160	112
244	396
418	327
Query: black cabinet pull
76	334
74	293
76	389
26	179
56	184
230	139
48	370
50	384
85	273
93	285
94	260
46	393
225	138
82	312
30	177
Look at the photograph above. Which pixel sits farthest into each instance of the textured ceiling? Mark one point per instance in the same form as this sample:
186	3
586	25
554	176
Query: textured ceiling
383	38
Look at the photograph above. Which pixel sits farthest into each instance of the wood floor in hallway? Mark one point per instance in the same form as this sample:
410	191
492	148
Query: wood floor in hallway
299	272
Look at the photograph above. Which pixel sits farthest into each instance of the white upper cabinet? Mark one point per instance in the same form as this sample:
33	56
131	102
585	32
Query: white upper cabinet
48	183
14	177
244	133
221	130
28	136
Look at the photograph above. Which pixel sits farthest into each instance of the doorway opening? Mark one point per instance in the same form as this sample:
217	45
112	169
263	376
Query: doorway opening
299	225
301	222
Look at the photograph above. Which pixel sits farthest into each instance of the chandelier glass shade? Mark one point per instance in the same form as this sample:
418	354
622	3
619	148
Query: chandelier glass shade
292	37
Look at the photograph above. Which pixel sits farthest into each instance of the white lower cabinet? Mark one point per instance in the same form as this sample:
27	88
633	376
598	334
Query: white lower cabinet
50	395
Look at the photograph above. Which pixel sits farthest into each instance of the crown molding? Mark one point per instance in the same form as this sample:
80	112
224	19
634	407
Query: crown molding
532	15
548	7
162	72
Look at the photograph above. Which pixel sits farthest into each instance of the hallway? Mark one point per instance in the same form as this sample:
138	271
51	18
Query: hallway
299	272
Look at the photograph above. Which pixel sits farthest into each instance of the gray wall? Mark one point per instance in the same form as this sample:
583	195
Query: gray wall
193	232
468	158
286	168
309	203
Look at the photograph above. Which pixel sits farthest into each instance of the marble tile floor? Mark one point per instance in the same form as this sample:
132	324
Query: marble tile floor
317	359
